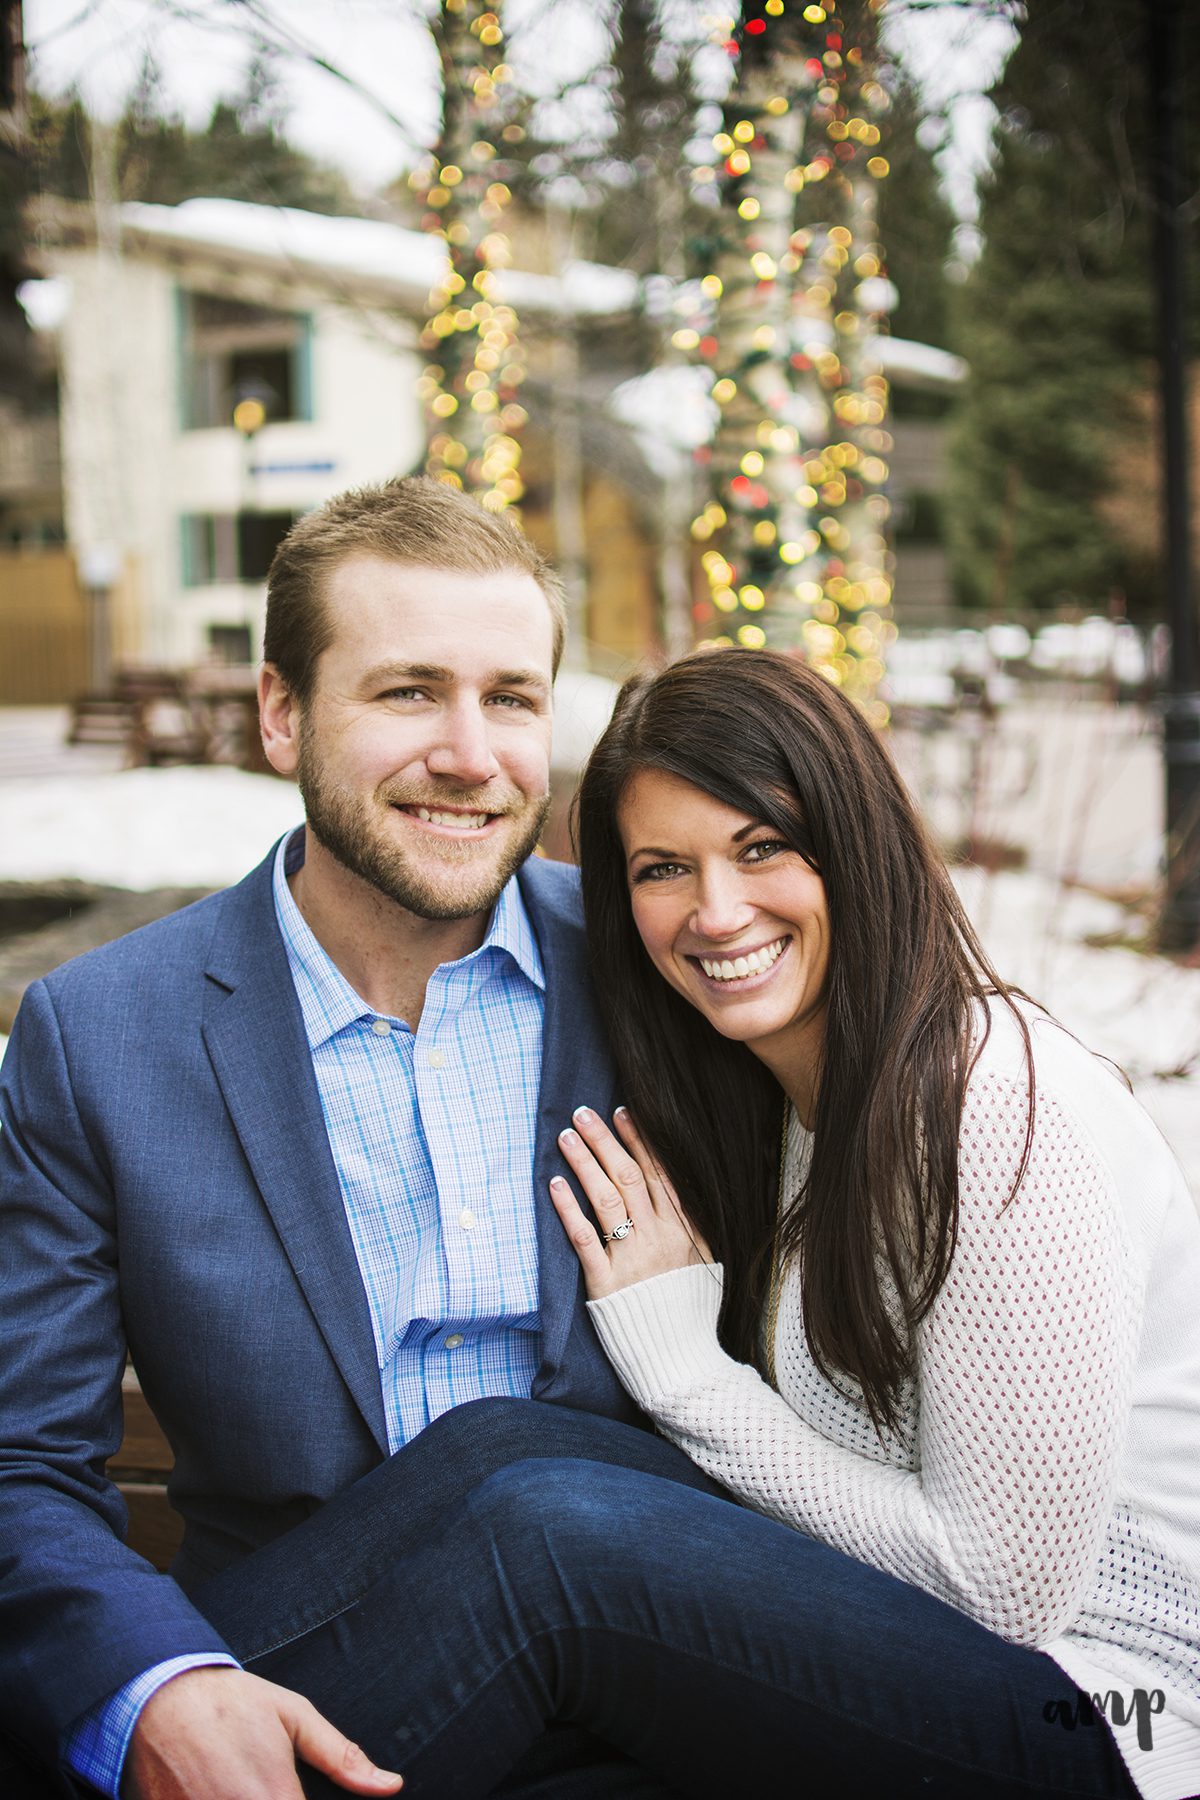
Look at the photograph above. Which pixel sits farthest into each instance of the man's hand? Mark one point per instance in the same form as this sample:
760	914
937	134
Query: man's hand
220	1734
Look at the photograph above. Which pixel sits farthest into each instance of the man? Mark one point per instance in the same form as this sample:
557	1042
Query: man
292	1147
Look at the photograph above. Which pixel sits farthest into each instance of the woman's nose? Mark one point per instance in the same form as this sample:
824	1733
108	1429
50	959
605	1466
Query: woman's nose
722	909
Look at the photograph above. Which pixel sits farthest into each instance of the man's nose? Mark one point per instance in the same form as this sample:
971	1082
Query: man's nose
463	750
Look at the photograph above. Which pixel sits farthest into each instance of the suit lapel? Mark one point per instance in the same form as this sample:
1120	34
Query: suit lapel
576	1070
255	1037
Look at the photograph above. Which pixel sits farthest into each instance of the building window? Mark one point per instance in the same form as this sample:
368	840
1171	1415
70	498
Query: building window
232	350
230	547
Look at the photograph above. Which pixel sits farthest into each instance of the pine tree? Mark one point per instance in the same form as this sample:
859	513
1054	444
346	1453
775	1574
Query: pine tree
1057	319
242	154
916	222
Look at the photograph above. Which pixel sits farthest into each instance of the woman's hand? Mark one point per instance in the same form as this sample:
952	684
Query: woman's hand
621	1185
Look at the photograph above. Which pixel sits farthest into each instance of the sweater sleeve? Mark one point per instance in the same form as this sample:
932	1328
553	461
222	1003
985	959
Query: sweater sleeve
1024	1375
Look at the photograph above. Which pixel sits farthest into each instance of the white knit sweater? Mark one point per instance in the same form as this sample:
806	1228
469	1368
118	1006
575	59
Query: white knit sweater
1045	1478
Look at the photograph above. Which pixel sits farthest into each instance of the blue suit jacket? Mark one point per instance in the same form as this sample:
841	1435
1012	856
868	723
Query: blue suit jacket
166	1182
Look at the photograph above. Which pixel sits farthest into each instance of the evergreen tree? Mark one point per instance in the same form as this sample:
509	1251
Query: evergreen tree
1057	318
916	222
60	134
242	154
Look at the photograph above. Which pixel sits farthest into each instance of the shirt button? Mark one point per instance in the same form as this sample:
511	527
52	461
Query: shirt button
453	1342
436	1060
466	1219
381	1028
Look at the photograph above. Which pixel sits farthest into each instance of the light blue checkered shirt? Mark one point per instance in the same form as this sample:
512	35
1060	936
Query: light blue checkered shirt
432	1134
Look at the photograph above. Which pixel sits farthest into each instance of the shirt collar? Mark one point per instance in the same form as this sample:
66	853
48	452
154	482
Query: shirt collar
327	1001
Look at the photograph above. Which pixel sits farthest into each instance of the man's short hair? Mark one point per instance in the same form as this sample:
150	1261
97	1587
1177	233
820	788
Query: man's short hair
411	520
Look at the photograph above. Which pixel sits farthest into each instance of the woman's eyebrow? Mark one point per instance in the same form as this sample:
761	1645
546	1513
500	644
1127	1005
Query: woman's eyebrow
650	850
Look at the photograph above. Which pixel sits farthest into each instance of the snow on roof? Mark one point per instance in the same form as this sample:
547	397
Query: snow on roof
670	410
903	356
412	261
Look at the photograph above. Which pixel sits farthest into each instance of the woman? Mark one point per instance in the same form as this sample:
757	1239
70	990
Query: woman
926	1306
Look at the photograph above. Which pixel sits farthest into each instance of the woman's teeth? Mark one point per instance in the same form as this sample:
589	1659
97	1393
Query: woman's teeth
459	821
740	966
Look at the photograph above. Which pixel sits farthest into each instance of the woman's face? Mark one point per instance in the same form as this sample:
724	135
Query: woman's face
730	916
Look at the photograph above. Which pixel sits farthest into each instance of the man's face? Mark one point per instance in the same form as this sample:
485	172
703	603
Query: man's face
424	751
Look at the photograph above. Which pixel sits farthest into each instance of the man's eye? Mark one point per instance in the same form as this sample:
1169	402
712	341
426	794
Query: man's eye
403	693
511	700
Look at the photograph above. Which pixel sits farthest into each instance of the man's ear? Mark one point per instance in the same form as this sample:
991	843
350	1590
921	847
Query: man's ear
279	720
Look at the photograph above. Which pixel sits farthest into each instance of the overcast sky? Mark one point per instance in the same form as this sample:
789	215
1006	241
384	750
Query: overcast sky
202	47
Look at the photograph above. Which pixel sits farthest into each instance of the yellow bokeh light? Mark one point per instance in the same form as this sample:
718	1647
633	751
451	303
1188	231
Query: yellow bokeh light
752	463
743	132
712	286
752	637
724	390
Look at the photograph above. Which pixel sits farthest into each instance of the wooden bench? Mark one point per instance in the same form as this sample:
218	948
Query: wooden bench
149	713
140	1469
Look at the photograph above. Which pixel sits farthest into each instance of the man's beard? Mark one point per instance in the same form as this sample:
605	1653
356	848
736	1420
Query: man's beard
446	882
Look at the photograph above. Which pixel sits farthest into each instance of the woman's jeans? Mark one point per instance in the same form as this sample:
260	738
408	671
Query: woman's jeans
519	1566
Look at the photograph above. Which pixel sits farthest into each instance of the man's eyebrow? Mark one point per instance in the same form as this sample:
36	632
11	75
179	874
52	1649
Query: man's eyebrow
394	673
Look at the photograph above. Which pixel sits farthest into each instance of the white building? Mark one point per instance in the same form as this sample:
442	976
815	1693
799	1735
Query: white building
167	318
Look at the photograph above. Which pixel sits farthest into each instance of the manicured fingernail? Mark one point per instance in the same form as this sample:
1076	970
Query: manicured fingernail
622	1112
556	1181
568	1137
583	1113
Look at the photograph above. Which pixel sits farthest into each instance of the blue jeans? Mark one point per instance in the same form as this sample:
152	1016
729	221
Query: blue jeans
717	1651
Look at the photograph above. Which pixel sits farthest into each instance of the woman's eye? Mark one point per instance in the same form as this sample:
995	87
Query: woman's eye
765	849
661	871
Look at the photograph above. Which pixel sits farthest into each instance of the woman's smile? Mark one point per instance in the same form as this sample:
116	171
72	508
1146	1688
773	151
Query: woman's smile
732	917
737	971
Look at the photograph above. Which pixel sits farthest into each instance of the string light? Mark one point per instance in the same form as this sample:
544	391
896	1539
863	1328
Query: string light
474	366
795	554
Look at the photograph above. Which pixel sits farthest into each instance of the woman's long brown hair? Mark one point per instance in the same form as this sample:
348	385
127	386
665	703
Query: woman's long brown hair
766	734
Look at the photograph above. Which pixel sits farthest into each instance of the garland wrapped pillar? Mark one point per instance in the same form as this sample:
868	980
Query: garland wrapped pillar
474	367
794	550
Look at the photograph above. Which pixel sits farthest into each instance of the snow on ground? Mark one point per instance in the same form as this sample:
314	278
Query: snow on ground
143	828
194	827
1142	1011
